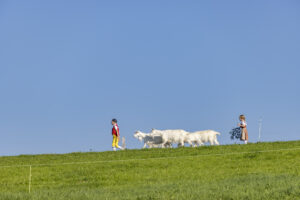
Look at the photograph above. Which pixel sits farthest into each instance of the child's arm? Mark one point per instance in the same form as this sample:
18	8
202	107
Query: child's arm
242	125
118	134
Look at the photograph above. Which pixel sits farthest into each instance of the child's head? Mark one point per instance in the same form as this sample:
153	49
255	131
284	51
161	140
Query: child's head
114	121
242	118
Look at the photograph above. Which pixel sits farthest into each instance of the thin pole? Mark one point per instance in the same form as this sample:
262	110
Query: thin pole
29	185
259	128
123	143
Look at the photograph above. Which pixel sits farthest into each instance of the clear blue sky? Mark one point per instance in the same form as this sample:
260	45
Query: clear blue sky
68	67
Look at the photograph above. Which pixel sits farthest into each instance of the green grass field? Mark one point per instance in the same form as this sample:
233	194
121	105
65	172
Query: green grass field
254	171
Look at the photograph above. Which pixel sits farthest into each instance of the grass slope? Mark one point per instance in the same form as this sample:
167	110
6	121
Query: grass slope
210	172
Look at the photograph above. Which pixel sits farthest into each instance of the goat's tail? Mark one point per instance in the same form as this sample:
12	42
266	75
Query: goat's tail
217	133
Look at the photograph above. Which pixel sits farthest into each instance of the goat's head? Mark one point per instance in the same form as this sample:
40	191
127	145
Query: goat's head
138	135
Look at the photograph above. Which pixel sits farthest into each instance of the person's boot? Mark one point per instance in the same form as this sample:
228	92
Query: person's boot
120	148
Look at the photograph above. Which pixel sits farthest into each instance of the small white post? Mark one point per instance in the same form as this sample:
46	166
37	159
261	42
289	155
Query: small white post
259	129
123	143
29	184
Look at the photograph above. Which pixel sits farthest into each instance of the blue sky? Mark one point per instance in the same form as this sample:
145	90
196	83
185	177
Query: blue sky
68	67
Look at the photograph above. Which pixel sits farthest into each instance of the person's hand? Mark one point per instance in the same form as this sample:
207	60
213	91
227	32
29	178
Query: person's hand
239	124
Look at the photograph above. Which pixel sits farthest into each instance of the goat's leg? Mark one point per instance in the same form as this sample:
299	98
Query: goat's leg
181	143
216	142
145	145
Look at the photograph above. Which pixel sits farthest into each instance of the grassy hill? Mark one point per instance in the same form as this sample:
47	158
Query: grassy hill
254	171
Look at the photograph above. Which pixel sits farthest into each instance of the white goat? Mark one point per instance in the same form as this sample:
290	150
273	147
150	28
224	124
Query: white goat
201	137
171	136
150	140
193	139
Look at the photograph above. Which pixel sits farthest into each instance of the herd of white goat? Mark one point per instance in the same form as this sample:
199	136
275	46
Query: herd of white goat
166	138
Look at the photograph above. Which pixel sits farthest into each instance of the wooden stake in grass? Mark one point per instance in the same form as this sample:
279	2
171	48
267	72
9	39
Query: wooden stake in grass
29	184
123	143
